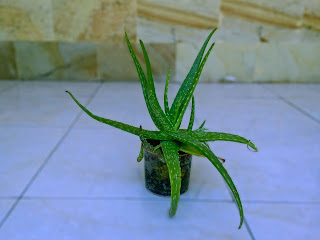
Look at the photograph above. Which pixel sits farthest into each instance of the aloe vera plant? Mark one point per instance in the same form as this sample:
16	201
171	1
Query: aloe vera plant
173	139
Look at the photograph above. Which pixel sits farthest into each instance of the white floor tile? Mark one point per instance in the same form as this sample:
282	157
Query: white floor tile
294	90
123	102
103	163
5	205
28	110
288	148
283	221
6	84
22	151
309	105
304	96
231	91
44	89
120	219
96	161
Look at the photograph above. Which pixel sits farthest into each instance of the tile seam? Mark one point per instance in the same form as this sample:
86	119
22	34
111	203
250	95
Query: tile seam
296	107
33	178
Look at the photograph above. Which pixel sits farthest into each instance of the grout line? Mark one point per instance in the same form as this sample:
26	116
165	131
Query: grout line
291	104
281	202
14	205
164	198
248	228
32	127
299	109
188	199
244	218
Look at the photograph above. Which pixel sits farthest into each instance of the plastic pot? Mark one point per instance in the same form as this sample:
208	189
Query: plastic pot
157	175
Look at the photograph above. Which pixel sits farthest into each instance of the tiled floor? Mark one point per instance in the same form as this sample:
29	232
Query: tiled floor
65	176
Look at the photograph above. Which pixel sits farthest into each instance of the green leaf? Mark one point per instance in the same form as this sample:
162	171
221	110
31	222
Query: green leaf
144	86
220	136
185	138
201	126
191	116
165	123
189	93
149	147
166	104
170	151
140	157
156	135
189	79
176	113
189	149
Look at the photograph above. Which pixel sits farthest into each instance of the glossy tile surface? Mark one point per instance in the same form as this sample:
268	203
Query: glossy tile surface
91	186
6	84
5	205
304	97
121	219
287	141
23	150
86	165
42	105
285	221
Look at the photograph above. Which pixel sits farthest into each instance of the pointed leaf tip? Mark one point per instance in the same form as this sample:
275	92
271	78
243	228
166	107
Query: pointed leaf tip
241	222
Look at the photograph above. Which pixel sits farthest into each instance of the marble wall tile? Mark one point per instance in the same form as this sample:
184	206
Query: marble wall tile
286	13
227	59
311	18
35	58
96	20
208	8
115	62
261	20
309	35
26	20
79	62
171	21
234	29
296	62
53	60
8	68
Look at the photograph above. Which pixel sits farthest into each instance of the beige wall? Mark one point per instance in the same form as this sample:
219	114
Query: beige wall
256	40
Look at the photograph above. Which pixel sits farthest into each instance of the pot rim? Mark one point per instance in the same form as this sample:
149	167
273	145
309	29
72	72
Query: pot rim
180	155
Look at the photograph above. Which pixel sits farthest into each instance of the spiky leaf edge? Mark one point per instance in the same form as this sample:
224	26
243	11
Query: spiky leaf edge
170	151
183	137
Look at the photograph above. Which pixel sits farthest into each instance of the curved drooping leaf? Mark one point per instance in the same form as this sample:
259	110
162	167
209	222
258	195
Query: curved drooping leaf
185	138
189	79
191	116
220	136
153	111
166	104
125	127
170	151
140	157
161	116
189	93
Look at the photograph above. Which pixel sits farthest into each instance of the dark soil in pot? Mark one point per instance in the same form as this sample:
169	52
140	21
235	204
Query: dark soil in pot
157	175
